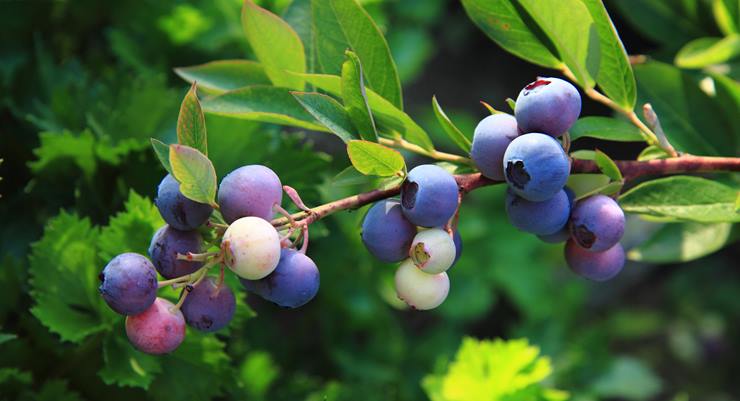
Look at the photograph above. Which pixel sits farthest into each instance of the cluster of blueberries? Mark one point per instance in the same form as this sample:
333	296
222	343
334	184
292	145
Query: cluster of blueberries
521	150
252	248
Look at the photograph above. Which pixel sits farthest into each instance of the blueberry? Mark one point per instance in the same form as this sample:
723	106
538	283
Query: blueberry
386	232
596	266
128	283
420	290
536	167
252	247
597	223
492	135
548	105
457	239
541	218
249	191
429	196
294	282
433	250
177	210
166	243
209	306
158	330
563	234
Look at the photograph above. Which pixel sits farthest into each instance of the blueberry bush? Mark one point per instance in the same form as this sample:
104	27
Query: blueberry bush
240	200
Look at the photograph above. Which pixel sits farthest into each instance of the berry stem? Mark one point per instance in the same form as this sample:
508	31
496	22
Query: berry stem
631	169
434	154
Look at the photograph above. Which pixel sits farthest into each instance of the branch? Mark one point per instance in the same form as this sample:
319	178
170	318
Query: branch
468	182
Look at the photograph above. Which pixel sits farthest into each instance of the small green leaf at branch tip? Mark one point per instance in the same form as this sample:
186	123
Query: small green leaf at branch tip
370	158
607	166
490	108
583	154
162	150
191	123
652	152
354	96
195	173
449	127
512	104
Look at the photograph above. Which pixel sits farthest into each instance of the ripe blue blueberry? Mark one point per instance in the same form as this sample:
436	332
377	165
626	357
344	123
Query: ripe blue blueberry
548	105
596	266
177	210
541	218
563	234
158	330
429	196
458	246
492	135
294	282
128	283
249	191
166	243
209	306
386	232
597	223
536	166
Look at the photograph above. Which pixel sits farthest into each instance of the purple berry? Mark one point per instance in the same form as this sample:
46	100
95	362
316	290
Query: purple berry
249	191
596	266
597	223
128	283
166	243
209	306
177	210
492	135
541	218
563	234
458	246
536	166
158	330
294	282
429	196
548	105
386	233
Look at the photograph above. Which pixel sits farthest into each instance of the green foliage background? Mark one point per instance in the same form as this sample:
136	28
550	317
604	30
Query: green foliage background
84	84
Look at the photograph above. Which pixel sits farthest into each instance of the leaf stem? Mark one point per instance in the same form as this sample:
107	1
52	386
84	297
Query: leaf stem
434	154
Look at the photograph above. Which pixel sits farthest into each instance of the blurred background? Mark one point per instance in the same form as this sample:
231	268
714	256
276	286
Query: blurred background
85	84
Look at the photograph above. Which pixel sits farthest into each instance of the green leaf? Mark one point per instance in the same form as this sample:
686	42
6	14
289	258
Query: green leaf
661	21
343	24
727	96
573	33
607	166
702	52
683	242
450	129
651	153
512	104
57	147
162	150
583	154
683	197
629	379
370	158
727	15
583	184
688	115
355	98
615	76
224	75
350	176
191	124
195	173
275	44
124	365
131	229
328	112
64	269
266	104
5	337
607	128
388	118
512	29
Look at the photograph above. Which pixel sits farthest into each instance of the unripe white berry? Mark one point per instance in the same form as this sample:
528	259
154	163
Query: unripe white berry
420	290
433	250
252	247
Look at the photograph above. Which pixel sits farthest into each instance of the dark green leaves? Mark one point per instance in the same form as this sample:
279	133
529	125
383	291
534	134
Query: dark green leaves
276	45
343	24
607	128
682	242
370	158
449	128
355	98
607	166
328	112
224	75
191	124
683	198
195	173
